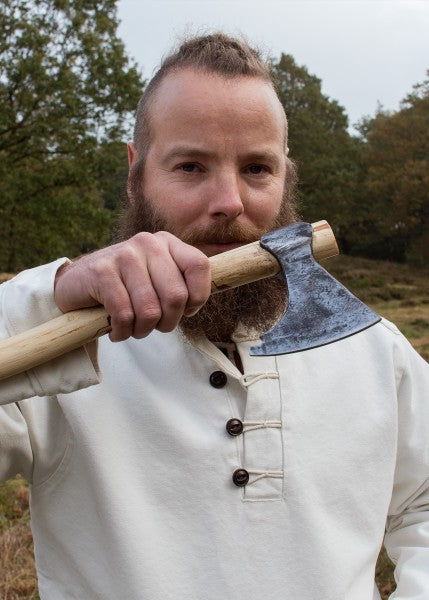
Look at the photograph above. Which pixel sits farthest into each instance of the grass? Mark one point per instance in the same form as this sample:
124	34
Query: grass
398	292
18	579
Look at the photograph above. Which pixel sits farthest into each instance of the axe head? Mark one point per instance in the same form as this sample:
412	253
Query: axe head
320	310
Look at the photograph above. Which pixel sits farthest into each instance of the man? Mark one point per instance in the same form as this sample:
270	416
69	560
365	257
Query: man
138	489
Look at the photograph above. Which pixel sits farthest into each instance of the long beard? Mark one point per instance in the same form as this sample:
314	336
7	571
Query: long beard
256	305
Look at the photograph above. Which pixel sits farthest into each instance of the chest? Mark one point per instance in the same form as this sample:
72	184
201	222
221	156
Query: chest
311	423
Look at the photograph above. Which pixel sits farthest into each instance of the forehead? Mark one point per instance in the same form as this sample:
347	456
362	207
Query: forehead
195	102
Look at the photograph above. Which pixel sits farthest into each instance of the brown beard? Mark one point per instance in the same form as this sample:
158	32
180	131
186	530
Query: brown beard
256	305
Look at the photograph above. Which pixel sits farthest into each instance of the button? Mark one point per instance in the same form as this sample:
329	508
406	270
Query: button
218	379
240	477
234	427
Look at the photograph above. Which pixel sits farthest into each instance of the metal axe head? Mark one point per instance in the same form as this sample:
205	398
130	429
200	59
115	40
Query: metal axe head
320	310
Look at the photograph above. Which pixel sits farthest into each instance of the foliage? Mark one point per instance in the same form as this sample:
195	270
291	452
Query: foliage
393	213
67	90
373	189
326	155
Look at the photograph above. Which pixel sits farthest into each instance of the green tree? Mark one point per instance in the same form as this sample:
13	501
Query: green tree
328	158
395	186
67	92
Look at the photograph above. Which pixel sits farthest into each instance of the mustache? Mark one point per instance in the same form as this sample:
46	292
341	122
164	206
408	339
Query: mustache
223	233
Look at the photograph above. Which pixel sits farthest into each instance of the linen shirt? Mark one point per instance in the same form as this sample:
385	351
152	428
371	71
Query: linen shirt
131	466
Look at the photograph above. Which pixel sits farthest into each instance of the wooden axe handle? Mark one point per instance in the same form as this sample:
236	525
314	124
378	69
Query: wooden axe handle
74	329
251	262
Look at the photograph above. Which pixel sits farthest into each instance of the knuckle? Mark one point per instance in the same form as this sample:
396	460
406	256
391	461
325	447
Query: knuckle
201	263
141	237
177	298
197	300
163	235
152	246
116	336
101	268
151	315
127	253
124	317
146	240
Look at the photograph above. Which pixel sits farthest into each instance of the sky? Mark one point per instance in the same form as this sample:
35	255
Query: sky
366	52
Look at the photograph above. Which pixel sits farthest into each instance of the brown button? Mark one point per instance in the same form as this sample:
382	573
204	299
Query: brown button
240	477
234	427
218	379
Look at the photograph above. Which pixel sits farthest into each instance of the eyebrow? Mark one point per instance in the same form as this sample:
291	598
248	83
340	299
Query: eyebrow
194	151
262	156
197	152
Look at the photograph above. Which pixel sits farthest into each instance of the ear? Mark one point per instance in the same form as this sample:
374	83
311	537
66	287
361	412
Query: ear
132	154
132	159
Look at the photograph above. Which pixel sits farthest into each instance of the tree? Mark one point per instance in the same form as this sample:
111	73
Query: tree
67	90
396	181
328	158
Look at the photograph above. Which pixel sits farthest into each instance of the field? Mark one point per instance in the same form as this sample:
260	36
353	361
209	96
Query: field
398	292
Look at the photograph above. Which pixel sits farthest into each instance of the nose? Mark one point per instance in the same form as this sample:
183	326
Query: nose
226	202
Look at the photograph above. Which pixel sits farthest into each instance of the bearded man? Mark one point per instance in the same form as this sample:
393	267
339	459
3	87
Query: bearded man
174	465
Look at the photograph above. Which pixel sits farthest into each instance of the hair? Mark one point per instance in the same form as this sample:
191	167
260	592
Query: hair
215	53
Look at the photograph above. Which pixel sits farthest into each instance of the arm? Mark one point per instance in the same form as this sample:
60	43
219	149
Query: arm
26	301
148	282
407	530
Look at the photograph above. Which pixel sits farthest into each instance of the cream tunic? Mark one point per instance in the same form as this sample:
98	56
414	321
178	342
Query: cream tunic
132	493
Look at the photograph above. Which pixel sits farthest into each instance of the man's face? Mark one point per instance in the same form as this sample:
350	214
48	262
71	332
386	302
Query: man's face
215	169
215	175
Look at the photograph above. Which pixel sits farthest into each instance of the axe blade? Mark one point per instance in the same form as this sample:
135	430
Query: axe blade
320	309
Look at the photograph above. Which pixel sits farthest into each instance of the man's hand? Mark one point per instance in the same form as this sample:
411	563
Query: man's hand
148	282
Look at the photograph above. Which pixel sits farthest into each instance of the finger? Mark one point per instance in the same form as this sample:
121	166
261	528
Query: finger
115	299
143	297
195	268
169	284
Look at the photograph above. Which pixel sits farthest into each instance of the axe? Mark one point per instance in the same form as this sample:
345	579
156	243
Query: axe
320	310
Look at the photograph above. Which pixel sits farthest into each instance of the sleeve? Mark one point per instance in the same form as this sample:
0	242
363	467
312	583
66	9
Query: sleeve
407	529
16	455
27	301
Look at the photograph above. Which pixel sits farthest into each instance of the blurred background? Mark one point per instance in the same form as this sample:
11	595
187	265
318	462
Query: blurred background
352	76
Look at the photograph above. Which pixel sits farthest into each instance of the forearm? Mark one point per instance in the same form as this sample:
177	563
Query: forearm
27	301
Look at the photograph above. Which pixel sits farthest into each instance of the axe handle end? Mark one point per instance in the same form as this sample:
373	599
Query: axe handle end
54	338
324	243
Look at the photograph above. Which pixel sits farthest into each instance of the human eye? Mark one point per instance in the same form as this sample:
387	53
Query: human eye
256	169
189	167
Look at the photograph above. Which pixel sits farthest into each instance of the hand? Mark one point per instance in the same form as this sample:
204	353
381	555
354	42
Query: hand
148	282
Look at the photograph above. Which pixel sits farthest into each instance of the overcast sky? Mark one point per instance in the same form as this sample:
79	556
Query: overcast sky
364	51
